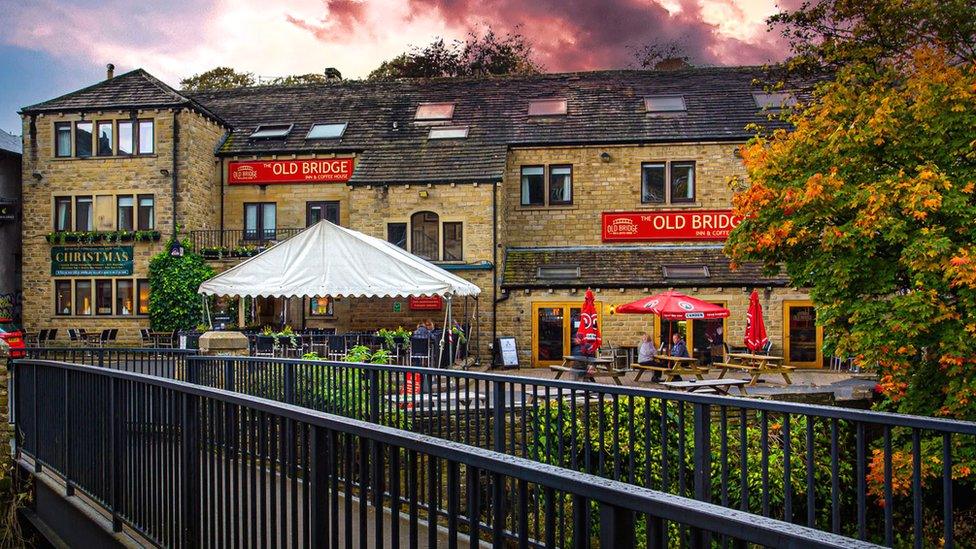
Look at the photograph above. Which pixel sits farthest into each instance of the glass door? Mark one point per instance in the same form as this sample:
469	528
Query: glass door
554	327
802	338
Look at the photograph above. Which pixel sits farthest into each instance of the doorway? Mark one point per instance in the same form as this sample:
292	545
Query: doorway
554	327
802	338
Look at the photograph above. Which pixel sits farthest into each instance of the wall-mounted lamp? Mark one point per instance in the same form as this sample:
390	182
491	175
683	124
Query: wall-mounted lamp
737	152
37	176
164	171
605	156
176	249
424	194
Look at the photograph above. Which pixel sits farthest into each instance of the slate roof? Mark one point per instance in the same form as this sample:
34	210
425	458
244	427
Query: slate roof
629	267
135	89
10	143
603	107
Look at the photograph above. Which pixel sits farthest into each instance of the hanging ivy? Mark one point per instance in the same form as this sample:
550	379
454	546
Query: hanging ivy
174	303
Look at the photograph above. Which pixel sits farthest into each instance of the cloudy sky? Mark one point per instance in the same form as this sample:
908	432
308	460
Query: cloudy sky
51	47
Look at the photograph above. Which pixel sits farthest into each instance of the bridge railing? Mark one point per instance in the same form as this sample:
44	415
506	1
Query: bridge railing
169	363
183	466
852	472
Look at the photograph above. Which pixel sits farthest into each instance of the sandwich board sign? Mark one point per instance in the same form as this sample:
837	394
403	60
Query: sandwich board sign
506	352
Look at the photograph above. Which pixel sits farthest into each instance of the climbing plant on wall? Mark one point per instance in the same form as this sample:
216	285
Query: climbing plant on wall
174	303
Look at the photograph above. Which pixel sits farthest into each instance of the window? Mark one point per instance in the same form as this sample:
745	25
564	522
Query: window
774	101
147	212
83	297
434	111
62	213
560	185
685	272
682	182
533	186
317	211
664	103
104	138
559	191
453	241
83	139
125	137
143	289
125	210
326	131
448	132
62	139
62	297
680	178
146	137
85	213
271	131
396	234
259	220
547	107
558	272
320	306
424	235
123	297
103	297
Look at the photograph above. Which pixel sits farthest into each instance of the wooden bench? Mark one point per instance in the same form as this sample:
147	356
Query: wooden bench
712	386
670	373
755	371
582	374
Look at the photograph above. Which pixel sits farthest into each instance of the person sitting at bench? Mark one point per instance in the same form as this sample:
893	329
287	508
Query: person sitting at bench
678	347
646	353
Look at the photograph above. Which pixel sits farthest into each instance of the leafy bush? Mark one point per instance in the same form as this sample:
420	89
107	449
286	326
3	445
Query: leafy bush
174	303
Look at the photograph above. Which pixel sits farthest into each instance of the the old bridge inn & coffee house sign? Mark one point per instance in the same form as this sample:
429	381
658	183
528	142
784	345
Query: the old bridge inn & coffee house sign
91	261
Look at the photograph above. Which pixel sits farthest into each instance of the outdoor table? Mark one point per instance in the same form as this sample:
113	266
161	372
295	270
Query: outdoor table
714	386
602	367
671	367
429	401
755	366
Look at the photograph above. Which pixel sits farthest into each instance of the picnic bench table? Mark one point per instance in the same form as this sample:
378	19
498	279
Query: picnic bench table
714	386
755	366
671	367
427	401
602	367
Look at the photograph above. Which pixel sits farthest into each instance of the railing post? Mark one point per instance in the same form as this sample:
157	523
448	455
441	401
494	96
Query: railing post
189	490
703	465
318	487
36	430
229	374
498	411
115	461
69	489
373	378
190	374
289	381
101	358
616	526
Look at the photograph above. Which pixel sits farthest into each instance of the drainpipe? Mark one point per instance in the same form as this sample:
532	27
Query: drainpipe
494	263
176	148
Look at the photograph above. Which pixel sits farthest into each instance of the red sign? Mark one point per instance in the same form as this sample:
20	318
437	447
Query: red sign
313	170
690	225
429	303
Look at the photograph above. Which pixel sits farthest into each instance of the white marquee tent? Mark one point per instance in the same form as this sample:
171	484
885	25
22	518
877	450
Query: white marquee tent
327	260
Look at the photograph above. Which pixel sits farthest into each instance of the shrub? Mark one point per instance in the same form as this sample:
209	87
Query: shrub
174	303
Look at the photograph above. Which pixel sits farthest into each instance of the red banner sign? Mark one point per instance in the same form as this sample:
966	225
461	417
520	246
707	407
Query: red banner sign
690	225
313	170
427	303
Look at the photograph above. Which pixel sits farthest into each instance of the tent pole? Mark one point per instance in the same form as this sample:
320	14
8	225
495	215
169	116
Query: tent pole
440	347
450	335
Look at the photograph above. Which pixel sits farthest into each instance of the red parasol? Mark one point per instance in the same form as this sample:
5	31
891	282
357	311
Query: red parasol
755	327
672	305
588	333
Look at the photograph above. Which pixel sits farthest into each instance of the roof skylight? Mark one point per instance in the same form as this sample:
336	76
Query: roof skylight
547	107
685	272
779	100
434	111
448	132
558	272
326	131
665	103
271	131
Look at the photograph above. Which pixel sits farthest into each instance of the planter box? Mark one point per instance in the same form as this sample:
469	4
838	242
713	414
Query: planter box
103	236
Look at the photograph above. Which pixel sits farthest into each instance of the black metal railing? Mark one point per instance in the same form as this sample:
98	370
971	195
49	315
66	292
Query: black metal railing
218	244
851	472
184	466
168	363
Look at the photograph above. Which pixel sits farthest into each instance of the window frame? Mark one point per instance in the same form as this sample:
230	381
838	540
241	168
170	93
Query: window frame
91	138
132	137
543	100
69	226
71	139
110	282
111	145
118	213
668	199
71	296
694	182
406	234
549	178
138	213
272	134
260	229
325	204
443	230
436	247
118	295
522	201
91	296
342	132
139	283
329	308
434	104
648	99
91	209
137	136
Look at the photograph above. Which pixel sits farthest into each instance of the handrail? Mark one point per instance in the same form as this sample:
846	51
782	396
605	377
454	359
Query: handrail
616	499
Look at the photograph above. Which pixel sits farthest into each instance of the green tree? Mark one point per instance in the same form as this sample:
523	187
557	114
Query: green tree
219	78
483	55
870	203
174	303
833	33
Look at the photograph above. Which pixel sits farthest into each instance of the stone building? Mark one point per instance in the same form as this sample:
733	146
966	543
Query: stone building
533	187
10	185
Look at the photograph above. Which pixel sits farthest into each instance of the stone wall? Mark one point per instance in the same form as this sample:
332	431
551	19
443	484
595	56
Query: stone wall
600	186
198	183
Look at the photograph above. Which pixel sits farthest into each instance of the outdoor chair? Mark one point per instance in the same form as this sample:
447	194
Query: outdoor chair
40	338
113	334
420	351
767	347
337	347
52	335
104	337
73	336
148	341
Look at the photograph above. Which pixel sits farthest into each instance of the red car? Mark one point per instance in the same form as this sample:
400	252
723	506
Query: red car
10	333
